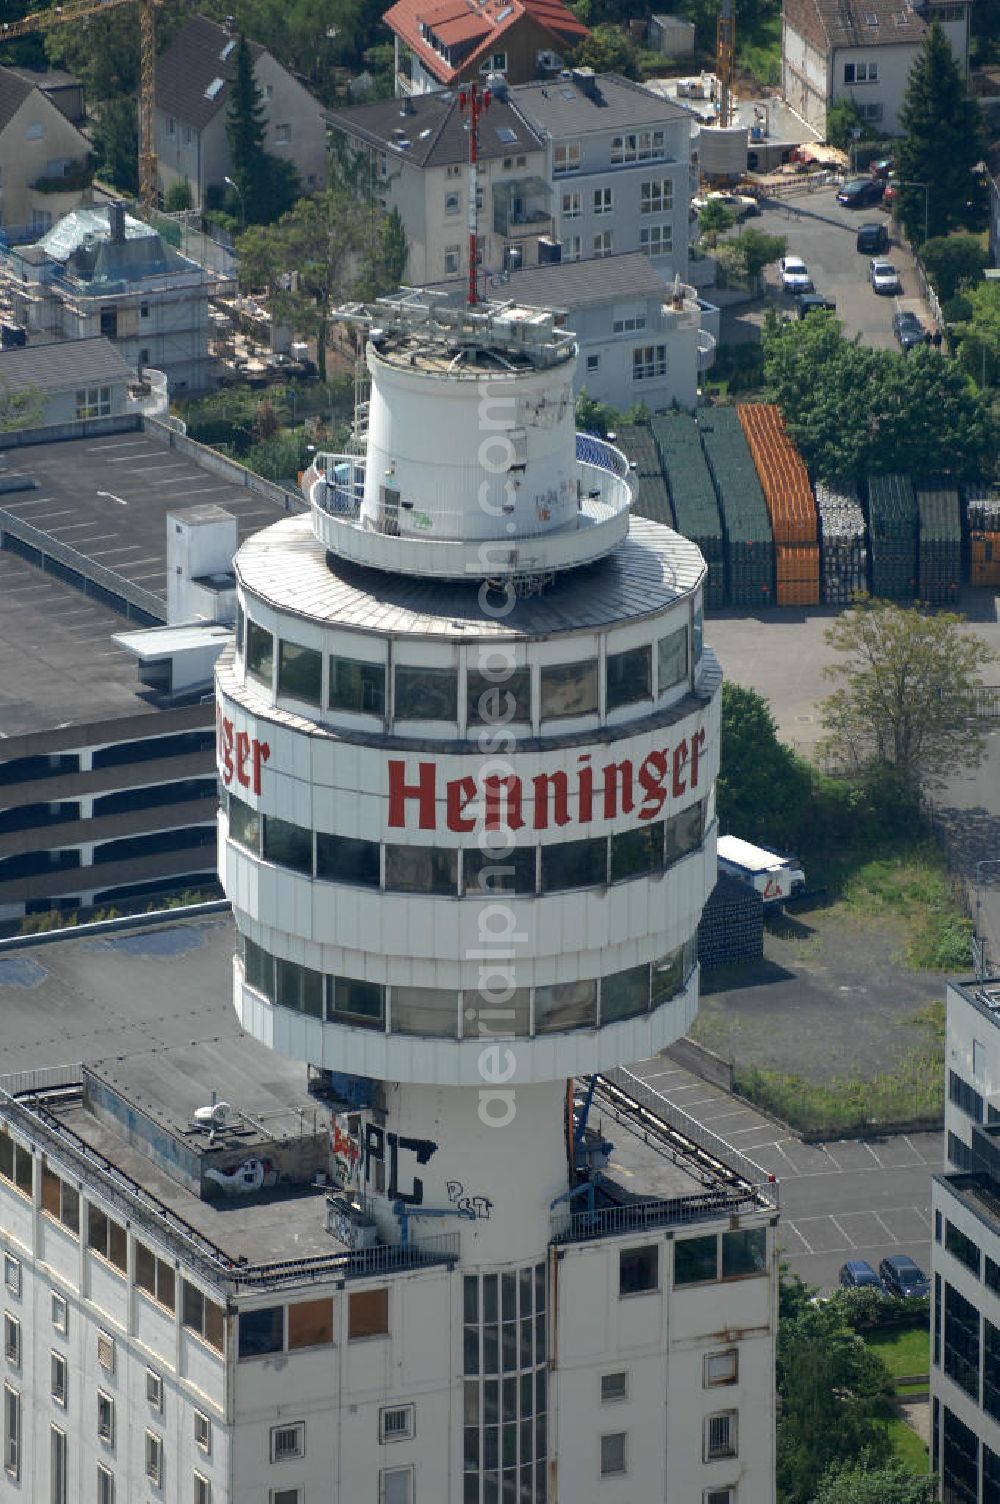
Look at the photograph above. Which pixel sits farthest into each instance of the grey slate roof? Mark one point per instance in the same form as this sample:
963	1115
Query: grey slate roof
434	126
63	366
562	108
13	92
191	63
830	24
576	284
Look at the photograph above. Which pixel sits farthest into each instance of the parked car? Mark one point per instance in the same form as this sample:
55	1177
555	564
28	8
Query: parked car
908	329
872	238
884	277
857	192
794	274
903	1277
742	205
858	1274
883	167
810	302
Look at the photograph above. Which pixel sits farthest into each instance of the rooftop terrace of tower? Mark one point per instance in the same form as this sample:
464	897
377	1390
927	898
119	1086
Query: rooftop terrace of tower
422	331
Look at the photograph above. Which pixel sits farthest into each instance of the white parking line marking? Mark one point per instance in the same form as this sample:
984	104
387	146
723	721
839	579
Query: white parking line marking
798	1233
887	1230
874	1156
850	1241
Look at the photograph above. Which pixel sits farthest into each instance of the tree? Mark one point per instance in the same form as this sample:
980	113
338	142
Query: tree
714	219
845	123
178	197
906	692
978	335
266	186
307	263
943	139
23	409
867	1482
384	260
954	261
116	143
762	787
608	49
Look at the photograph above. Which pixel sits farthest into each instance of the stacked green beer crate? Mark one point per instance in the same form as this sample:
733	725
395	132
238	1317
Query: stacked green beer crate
939	559
844	566
746	522
892	524
649	491
695	508
731	931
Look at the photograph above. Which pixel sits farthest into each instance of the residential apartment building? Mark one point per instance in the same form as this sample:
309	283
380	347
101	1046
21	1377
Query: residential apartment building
193	85
965	1257
619	161
438	45
418	158
831	52
44	159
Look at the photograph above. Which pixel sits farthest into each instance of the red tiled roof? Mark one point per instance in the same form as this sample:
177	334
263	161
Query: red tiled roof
458	21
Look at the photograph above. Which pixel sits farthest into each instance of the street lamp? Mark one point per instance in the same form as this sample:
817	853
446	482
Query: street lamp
926	201
979	950
243	208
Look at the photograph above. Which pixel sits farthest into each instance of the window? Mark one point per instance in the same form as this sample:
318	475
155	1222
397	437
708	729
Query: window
499	65
358	686
498	870
354	1002
155	1276
565	1005
299	988
93	402
991	1275
656	240
202	1489
105	1417
452	203
451	261
696	1259
107	1237
603	201
672	660
963	1248
593	363
288	1441
367	1314
260	653
421	869
60	1200
722	1368
639	1270
573	247
12	1339
719	1496
720	1435
258	967
287	845
300	672
203	1316
965	1097
656	196
57	1465
341	859
60	1314
500	699
395	1485
282	135
12	1271
16	1164
574	864
649	362
425	1011
861	73
670	973
12	1432
261	1332
961	1341
202	1432
978	1059
572	205
603	243
614	1386
106	1351
744	1252
566	158
426	694
991	1369
285	1496
395	1424
154	1389
105	1485
637	146
625	994
630	677
310	1324
569	689
872	112
629	325
154	1459
613	1454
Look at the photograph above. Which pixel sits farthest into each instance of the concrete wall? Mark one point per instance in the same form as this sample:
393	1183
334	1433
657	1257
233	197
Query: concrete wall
804	81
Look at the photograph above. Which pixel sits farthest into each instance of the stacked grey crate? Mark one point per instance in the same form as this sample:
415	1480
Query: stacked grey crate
731	931
892	525
649	491
843	556
983	506
939	560
746	522
693	496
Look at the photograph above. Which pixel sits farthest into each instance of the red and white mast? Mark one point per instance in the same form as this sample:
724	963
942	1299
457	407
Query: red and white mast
470	99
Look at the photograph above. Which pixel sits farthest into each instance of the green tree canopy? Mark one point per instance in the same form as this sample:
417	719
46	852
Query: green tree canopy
845	123
943	139
954	261
266	186
869	1482
978	335
762	786
608	49
905	692
714	219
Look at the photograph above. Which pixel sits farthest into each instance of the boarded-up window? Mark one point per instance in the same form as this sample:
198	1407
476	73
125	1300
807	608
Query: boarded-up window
310	1324
368	1314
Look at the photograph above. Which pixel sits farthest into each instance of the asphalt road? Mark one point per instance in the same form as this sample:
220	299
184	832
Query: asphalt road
841	1200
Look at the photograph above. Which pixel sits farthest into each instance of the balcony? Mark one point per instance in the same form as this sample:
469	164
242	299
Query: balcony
74	176
521	208
706	350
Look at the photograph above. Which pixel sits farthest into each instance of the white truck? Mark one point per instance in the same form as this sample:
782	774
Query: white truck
774	877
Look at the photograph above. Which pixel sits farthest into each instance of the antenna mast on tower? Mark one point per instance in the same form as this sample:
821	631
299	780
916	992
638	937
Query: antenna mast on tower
470	99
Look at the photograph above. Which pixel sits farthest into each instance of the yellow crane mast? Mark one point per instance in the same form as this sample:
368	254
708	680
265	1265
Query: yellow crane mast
76	10
725	60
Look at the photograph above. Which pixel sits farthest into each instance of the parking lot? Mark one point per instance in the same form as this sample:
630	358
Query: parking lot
824	234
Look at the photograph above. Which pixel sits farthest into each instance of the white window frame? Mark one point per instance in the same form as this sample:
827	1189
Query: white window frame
58	1377
656	196
203	1432
593	363
57	1474
389	1477
657	239
202	1489
574	248
12	1426
731	1446
154	1458
105	1417
611	1397
105	1485
60	1313
385	1434
452	259
296	1428
284	1496
604	201
452	203
603	244
12	1273
106	1351
283	134
154	1390
614	1472
572	204
653	363
565	158
729	1361
726	1493
12	1339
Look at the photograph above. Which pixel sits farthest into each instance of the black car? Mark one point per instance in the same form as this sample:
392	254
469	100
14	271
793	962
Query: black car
872	239
858	1274
809	302
908	329
858	192
903	1277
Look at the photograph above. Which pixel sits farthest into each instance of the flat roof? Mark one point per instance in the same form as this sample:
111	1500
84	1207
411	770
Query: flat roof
982	993
577	284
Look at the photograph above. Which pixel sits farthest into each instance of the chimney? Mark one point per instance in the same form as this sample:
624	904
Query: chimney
116	222
231	25
586	81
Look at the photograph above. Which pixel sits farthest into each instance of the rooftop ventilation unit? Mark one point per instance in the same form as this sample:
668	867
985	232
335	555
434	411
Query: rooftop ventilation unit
214	1115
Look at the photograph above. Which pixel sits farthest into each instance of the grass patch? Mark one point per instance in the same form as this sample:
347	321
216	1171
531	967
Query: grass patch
912	1391
907	1446
915	888
906	1351
760	53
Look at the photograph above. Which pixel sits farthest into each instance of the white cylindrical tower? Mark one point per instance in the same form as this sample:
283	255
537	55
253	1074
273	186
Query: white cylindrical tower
468	737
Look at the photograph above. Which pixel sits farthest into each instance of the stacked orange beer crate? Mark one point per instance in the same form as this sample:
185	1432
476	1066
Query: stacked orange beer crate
785	483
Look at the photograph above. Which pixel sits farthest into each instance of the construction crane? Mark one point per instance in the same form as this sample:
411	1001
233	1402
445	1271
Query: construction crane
725	60
77	10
